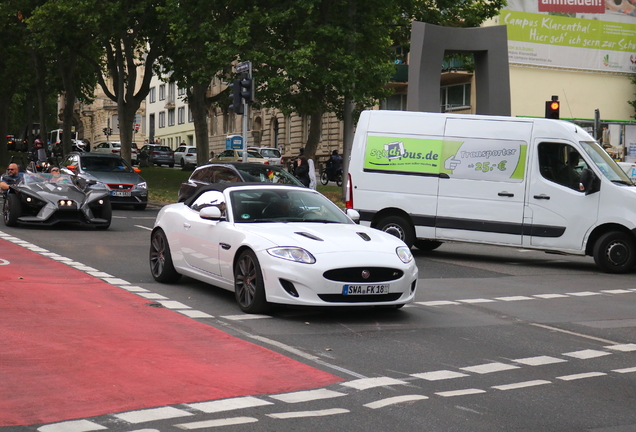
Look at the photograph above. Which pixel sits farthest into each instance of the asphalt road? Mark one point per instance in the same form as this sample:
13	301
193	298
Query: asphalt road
498	339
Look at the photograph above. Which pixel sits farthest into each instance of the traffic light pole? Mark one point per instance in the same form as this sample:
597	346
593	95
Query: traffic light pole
245	107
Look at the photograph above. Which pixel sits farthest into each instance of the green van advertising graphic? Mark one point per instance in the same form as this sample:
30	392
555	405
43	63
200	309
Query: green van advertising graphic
475	159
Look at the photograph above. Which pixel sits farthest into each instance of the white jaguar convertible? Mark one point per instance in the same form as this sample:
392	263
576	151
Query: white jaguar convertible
280	244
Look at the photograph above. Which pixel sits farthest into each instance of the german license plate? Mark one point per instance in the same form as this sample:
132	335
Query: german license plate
121	193
365	289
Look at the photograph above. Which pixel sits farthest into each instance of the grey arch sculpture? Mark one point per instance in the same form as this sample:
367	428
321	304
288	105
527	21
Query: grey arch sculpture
489	46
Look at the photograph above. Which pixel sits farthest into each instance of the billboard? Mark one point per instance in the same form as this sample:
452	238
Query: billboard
593	35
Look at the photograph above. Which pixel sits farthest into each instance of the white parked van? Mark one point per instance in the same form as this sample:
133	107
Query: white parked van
532	183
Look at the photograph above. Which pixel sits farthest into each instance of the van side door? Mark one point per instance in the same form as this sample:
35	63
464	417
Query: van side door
560	214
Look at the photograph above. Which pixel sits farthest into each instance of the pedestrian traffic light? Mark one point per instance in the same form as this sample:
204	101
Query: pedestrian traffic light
247	89
237	101
552	108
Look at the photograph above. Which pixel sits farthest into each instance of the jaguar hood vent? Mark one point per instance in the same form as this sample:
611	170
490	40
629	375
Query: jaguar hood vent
310	236
364	236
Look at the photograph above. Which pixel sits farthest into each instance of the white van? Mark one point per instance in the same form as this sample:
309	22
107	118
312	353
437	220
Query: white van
532	183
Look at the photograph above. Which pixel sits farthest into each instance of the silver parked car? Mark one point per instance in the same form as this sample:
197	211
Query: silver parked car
157	154
97	170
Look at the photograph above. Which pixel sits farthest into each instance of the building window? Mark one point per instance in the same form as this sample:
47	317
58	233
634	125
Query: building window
455	97
181	115
152	95
190	116
162	92
171	92
182	91
396	102
162	119
171	117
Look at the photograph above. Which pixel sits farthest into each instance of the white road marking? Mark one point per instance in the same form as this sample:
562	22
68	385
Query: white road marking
229	404
367	383
216	423
195	313
616	291
519	385
583	293
72	426
100	274
437	303
513	298
581	376
550	296
477	300
171	304
489	368
299	414
134	288
394	400
308	395
586	354
143	227
547	327
626	370
460	392
439	375
245	317
622	347
539	360
152	414
152	296
115	281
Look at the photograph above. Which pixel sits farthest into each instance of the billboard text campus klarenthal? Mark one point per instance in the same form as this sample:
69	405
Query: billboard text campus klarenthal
572	6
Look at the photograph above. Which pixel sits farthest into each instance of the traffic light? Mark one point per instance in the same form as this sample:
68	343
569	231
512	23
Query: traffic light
247	88
552	108
237	101
105	130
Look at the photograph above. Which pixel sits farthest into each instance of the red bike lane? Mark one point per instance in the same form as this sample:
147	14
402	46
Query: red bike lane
73	346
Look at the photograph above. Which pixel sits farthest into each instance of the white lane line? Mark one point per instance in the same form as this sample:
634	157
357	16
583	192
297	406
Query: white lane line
513	298
152	296
394	400
300	414
581	376
626	370
460	392
477	300
100	274
84	268
539	360
550	296
519	385
115	281
583	293
72	426
143	227
622	347
439	375
152	414
587	354
216	423
171	304
367	383
489	368
437	303
244	317
195	313
308	395
556	329
133	288
229	404
616	291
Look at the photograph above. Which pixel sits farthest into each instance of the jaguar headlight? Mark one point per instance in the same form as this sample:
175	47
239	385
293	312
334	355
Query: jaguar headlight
295	254
404	253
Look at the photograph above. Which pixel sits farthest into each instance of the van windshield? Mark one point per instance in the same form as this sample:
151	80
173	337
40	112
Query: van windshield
605	163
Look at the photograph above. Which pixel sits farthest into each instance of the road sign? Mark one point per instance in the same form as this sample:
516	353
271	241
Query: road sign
242	67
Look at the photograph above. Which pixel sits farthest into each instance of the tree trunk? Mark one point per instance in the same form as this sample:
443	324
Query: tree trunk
5	102
41	90
315	129
66	64
197	101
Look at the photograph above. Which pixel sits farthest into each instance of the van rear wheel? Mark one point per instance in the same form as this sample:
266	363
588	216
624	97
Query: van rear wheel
615	252
399	227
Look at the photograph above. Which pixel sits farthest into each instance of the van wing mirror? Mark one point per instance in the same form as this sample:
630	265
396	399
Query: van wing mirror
589	183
